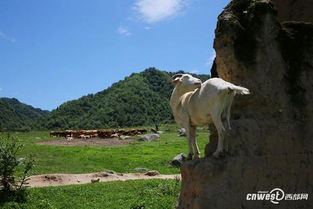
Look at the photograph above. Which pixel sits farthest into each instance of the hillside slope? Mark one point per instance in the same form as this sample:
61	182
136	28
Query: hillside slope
15	115
140	99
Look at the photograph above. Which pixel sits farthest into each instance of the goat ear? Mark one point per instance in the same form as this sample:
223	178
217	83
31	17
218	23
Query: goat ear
176	80
176	77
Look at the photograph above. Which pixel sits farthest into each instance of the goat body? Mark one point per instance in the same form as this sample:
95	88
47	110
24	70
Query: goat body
195	105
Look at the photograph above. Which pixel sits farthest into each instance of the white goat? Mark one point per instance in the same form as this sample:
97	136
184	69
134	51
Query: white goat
195	103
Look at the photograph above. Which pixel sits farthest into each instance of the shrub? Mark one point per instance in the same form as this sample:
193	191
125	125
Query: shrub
13	187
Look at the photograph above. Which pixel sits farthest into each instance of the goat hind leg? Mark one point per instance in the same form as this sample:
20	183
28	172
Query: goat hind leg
228	109
220	145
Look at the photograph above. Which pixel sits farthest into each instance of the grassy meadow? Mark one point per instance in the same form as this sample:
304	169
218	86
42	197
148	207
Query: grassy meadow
138	194
124	159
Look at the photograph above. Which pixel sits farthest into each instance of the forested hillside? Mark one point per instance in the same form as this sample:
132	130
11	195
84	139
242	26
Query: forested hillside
15	115
140	99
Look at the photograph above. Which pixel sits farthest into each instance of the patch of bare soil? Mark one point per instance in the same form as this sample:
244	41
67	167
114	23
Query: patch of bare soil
70	179
89	142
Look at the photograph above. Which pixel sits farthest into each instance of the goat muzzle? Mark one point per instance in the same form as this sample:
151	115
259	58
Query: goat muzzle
198	84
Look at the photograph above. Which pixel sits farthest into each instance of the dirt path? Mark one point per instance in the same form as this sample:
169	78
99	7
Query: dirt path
70	179
89	142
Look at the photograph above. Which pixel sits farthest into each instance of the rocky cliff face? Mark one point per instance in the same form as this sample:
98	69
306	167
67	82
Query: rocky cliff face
271	142
296	10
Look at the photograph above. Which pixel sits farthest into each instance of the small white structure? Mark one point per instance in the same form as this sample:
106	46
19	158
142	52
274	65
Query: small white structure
195	103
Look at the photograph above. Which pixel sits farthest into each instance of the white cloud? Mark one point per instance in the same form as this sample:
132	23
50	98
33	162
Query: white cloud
152	11
7	37
123	31
147	28
1	89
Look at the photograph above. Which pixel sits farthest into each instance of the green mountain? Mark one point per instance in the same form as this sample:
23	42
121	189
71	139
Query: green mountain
140	99
15	115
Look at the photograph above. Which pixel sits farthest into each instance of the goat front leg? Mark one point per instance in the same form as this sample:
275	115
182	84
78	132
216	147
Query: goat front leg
221	134
194	142
187	128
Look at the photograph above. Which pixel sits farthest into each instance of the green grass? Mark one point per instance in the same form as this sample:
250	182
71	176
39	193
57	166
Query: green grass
82	159
139	194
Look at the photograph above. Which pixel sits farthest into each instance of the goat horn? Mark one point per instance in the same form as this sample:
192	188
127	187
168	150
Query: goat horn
176	76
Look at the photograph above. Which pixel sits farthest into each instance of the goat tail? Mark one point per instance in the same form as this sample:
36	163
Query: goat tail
239	90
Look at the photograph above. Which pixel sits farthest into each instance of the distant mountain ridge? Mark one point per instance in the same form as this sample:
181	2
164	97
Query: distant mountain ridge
139	99
15	115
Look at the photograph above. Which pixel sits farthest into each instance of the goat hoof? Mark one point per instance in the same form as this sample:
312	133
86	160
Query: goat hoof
223	154
190	157
218	154
197	156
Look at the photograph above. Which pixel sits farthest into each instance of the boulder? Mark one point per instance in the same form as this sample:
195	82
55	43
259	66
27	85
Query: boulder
152	173
110	171
178	160
182	132
150	137
95	180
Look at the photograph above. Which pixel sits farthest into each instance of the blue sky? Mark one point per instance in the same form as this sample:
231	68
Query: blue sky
53	51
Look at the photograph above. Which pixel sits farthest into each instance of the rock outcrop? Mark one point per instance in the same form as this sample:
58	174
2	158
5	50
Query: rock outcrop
271	141
295	10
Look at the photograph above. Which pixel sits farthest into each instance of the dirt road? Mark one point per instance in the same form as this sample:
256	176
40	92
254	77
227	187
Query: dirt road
70	179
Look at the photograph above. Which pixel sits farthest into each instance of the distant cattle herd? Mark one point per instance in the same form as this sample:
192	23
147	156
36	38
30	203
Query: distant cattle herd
85	134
